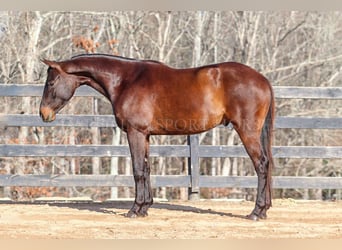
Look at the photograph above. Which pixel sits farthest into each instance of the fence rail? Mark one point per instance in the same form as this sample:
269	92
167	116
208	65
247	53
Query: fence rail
22	90
167	181
108	121
192	150
205	151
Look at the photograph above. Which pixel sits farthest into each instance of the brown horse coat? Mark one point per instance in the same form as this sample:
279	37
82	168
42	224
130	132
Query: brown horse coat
150	98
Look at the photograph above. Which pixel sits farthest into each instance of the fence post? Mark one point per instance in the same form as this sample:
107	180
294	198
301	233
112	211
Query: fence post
193	167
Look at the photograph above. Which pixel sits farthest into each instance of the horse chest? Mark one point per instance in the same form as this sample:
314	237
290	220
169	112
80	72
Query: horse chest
133	111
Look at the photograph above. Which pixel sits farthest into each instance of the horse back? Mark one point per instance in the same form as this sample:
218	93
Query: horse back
164	100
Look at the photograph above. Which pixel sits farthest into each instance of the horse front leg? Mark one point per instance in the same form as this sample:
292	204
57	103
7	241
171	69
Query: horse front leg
139	147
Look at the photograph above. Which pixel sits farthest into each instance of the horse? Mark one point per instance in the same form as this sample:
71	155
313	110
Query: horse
151	98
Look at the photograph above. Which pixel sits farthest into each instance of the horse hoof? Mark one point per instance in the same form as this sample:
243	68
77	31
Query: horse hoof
252	217
263	216
142	214
131	214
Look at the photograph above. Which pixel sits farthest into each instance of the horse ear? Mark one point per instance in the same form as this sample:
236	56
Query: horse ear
52	64
48	62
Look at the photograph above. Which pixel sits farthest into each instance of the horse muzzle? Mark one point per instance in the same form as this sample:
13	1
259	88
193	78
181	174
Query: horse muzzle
47	114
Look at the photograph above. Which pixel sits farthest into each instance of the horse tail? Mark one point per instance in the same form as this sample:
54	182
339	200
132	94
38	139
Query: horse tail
266	141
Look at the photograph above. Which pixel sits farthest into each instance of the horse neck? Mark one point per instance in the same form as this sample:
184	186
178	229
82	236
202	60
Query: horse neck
104	80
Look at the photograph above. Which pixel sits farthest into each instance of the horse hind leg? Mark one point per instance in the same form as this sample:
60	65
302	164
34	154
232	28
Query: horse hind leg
252	144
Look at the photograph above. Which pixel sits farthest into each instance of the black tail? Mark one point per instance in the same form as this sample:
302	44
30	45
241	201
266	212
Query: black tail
266	141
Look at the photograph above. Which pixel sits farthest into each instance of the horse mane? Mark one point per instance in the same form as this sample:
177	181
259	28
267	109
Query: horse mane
104	55
114	57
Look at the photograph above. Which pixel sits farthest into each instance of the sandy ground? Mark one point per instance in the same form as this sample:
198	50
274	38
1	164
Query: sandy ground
169	220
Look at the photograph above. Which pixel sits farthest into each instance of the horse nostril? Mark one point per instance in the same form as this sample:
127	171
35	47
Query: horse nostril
47	114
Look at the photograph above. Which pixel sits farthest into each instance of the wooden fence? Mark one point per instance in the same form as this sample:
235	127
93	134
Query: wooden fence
193	151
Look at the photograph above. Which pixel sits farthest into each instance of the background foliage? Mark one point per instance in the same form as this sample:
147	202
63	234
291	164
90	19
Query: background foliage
289	48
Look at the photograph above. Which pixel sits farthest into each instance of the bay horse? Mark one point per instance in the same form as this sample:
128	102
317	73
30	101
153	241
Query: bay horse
151	98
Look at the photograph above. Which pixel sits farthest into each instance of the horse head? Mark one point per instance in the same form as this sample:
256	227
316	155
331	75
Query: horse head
59	87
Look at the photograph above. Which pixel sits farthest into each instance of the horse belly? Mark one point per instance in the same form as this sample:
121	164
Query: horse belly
190	118
194	108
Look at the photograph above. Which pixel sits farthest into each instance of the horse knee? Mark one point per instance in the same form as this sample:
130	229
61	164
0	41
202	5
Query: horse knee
263	163
138	174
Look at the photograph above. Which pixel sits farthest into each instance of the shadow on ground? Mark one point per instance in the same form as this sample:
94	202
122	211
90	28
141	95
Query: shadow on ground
108	207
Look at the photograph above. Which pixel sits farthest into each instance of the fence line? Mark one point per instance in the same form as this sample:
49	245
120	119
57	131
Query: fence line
23	90
108	121
193	150
167	181
204	151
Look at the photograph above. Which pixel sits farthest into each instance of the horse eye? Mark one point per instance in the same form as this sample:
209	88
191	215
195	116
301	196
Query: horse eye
51	83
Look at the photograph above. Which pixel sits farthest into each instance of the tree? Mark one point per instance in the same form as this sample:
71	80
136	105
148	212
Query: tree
291	48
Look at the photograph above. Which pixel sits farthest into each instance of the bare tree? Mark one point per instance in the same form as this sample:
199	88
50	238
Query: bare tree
291	48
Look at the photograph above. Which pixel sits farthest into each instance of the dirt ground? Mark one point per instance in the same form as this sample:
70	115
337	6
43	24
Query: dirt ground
169	220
